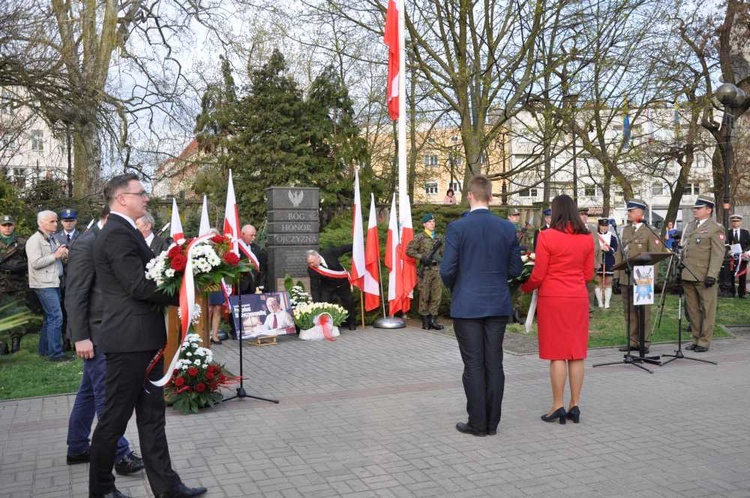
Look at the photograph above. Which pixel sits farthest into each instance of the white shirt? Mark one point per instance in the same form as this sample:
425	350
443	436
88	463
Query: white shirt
149	239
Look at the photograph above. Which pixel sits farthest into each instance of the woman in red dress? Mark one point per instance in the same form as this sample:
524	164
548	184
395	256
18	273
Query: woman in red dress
564	263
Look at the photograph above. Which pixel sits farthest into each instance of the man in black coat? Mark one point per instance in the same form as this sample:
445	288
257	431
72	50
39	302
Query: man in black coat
329	282
738	235
256	277
132	336
145	225
84	303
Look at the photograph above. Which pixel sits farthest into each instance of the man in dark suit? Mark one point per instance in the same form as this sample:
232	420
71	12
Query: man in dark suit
329	282
145	225
481	254
132	336
84	303
738	235
547	219
66	237
256	277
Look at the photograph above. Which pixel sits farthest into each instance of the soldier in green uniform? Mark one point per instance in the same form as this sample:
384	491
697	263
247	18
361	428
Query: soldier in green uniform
702	246
635	239
427	248
13	268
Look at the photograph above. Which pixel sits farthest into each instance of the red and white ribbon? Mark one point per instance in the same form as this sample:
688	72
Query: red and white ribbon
326	272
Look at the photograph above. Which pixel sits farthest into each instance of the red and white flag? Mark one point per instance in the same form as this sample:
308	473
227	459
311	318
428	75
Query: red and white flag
372	260
392	38
358	242
232	217
205	226
393	262
409	269
175	226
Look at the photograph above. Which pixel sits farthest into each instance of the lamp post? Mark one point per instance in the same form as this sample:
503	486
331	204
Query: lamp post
731	97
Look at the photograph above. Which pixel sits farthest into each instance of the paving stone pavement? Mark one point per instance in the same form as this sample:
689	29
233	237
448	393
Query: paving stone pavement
373	414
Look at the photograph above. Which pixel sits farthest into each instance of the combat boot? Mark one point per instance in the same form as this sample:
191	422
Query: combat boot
15	345
426	322
434	324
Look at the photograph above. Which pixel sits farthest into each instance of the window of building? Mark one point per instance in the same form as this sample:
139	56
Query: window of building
589	190
692	189
455	186
431	188
430	160
19	177
8	141
658	188
527	192
37	140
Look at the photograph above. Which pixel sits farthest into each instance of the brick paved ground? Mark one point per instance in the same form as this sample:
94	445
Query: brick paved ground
373	414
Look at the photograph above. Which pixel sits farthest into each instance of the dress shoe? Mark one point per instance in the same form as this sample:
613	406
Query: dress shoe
558	414
129	464
61	358
574	414
700	349
112	494
625	349
182	491
691	347
77	458
352	326
492	432
468	429
215	341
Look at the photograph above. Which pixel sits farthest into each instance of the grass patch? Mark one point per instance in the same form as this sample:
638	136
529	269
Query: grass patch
26	374
607	327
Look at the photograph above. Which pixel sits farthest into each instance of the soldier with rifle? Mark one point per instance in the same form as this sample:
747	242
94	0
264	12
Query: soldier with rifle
13	279
427	248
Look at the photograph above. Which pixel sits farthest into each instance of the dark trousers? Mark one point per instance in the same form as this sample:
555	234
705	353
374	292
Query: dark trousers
481	343
90	401
741	281
127	390
342	294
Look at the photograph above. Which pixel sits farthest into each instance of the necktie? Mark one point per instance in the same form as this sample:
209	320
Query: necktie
736	235
275	322
68	235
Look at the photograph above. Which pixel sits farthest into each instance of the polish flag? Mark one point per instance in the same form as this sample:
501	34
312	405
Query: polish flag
175	227
372	260
393	262
232	217
205	226
357	274
409	269
392	38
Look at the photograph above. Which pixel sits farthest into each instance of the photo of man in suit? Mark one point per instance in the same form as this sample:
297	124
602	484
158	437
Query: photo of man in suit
132	336
481	253
739	235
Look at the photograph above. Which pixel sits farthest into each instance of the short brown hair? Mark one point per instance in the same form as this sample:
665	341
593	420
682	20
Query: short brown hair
481	188
565	214
115	184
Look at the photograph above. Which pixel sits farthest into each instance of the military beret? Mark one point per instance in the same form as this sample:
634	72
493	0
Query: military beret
637	204
704	201
68	214
7	219
547	212
427	217
736	217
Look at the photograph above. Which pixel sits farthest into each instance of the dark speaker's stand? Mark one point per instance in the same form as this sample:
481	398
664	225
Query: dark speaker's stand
241	393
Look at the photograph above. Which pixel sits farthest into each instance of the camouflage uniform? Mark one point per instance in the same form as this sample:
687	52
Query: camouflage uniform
430	285
13	281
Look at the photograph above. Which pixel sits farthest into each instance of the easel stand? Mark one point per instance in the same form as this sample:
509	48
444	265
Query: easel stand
645	258
678	355
241	393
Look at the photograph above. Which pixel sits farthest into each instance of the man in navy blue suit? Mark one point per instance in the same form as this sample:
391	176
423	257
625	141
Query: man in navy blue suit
481	254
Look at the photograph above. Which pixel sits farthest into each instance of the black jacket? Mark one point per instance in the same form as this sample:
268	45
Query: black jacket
744	239
132	319
318	282
84	300
255	278
159	245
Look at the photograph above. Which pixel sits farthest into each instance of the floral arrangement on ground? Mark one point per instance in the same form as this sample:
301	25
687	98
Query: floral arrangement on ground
213	260
304	314
196	379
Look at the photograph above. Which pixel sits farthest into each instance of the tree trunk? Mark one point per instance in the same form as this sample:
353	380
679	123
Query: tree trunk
87	160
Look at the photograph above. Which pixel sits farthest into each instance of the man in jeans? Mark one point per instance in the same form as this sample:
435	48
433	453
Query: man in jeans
84	303
45	258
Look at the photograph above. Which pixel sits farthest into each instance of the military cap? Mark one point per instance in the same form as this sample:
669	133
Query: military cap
7	219
68	214
583	210
427	217
704	201
736	217
637	204
547	212
514	212
603	222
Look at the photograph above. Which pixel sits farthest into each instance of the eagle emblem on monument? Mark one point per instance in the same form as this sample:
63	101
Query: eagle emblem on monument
296	197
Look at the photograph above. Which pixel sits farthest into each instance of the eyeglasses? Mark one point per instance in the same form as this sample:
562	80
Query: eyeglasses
142	193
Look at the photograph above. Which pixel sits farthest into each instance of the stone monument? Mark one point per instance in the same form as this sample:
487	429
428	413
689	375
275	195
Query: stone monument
293	228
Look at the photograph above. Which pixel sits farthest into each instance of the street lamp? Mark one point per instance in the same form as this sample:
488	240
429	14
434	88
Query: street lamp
731	97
